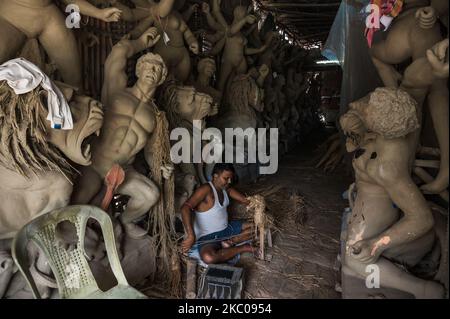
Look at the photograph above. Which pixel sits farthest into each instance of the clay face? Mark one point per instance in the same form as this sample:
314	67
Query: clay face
192	104
88	118
151	70
207	67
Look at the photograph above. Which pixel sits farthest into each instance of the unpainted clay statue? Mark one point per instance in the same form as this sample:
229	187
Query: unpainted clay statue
412	33
242	99
382	129
27	19
184	105
174	33
35	173
130	121
235	45
275	99
206	69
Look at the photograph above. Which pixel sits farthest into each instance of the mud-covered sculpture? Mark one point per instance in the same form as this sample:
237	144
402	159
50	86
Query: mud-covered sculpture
130	121
35	172
184	105
412	33
174	33
382	129
235	44
26	19
206	69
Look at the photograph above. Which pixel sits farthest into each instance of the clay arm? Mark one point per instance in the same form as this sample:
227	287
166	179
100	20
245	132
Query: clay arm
129	14
218	47
393	175
107	14
253	51
141	27
218	14
189	12
116	63
212	22
189	37
237	196
236	27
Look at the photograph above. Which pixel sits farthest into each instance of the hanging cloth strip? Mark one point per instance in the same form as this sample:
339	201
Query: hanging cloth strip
388	10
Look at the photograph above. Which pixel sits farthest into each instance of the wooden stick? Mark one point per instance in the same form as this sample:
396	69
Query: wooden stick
427	163
261	242
191	278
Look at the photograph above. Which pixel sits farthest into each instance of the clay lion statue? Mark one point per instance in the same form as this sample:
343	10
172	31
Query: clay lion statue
35	159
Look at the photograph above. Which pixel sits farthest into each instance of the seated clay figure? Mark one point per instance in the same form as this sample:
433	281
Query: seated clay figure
382	129
27	19
130	120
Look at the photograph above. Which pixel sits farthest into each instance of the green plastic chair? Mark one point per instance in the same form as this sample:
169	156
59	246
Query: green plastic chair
70	268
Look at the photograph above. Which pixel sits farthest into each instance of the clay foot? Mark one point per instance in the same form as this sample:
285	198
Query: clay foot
134	231
432	290
437	186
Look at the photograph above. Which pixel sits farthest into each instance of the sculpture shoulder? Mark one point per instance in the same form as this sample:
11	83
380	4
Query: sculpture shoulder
389	161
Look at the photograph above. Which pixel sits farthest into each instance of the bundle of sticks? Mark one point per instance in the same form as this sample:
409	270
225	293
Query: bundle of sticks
262	221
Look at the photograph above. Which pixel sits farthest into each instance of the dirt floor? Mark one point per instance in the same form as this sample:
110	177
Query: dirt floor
307	205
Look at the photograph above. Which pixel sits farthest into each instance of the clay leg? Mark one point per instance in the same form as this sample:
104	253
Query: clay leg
11	41
86	187
183	68
144	195
394	277
438	103
59	43
395	49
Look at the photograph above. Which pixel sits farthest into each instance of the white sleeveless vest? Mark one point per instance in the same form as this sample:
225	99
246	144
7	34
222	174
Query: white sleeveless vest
213	220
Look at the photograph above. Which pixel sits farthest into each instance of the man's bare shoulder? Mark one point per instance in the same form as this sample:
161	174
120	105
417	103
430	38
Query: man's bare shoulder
203	190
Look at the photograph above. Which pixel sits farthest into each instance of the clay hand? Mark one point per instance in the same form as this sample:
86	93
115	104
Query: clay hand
214	109
365	251
250	19
110	14
167	170
187	243
150	37
205	8
194	47
437	58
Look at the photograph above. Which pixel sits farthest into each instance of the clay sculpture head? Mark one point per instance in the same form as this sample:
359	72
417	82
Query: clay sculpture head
30	146
151	71
389	112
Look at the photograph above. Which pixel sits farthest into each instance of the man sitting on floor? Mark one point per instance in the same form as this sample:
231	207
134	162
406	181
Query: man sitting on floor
205	218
